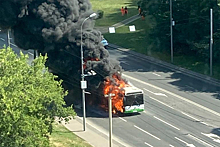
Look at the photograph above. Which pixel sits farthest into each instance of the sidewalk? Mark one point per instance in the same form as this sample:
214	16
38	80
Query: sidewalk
94	135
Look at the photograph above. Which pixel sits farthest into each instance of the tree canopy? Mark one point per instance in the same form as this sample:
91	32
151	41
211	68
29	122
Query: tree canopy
191	32
30	98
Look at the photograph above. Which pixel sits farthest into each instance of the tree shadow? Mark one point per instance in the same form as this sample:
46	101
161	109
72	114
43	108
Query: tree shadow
138	63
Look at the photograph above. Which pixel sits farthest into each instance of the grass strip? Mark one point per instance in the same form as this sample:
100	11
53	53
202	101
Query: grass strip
139	40
62	137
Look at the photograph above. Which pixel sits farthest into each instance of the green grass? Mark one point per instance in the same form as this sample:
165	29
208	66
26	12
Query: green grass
112	10
138	41
62	137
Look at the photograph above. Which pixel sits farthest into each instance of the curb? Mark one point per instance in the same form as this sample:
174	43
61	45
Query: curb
170	66
119	24
126	21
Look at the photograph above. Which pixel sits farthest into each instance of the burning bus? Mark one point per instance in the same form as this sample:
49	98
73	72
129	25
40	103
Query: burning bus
127	98
133	100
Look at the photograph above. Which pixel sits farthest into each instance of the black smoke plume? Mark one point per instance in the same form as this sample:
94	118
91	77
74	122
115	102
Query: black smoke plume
53	27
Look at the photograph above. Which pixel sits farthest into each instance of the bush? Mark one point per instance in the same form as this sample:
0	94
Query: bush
100	14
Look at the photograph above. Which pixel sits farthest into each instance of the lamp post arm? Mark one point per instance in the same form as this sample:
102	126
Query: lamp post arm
82	70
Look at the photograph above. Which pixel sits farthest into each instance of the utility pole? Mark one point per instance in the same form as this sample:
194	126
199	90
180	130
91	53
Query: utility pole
83	82
35	54
110	116
110	119
171	31
8	38
211	39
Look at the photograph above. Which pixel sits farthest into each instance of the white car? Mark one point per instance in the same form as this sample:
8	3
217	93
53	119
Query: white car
104	42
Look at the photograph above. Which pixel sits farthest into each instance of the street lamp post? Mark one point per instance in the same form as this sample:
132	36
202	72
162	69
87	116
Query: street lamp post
110	116
83	82
211	39
171	31
8	38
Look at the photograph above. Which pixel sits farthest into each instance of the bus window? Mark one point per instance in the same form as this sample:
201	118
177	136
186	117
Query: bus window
130	100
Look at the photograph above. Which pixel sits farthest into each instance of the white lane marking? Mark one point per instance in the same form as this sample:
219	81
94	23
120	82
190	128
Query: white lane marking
195	119
171	145
10	43
30	53
148	144
180	111
161	94
177	110
214	137
199	140
161	102
148	90
187	144
122	119
2	39
14	45
204	123
166	123
180	97
189	86
190	116
147	132
156	74
124	62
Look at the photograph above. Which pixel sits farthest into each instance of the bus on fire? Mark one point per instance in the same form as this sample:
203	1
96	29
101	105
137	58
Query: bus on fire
130	99
133	100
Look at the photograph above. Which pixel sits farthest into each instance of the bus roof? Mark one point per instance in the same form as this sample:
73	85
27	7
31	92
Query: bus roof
132	89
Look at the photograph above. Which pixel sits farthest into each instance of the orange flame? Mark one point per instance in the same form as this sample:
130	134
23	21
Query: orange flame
89	59
115	88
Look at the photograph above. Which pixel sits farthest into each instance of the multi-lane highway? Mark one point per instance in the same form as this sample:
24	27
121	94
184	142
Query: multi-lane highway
180	111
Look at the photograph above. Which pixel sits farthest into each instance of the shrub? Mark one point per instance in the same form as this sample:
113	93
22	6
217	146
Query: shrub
100	14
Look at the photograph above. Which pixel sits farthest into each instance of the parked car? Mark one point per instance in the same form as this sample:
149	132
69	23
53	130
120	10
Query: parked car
104	42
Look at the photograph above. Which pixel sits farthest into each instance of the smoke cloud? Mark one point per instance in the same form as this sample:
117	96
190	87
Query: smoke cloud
53	27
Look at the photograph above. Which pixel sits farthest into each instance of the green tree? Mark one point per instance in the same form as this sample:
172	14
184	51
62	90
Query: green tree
192	25
30	98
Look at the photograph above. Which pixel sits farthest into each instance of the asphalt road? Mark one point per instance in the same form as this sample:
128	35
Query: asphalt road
179	110
3	41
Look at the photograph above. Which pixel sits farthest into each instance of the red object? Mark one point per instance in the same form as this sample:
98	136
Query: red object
122	11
